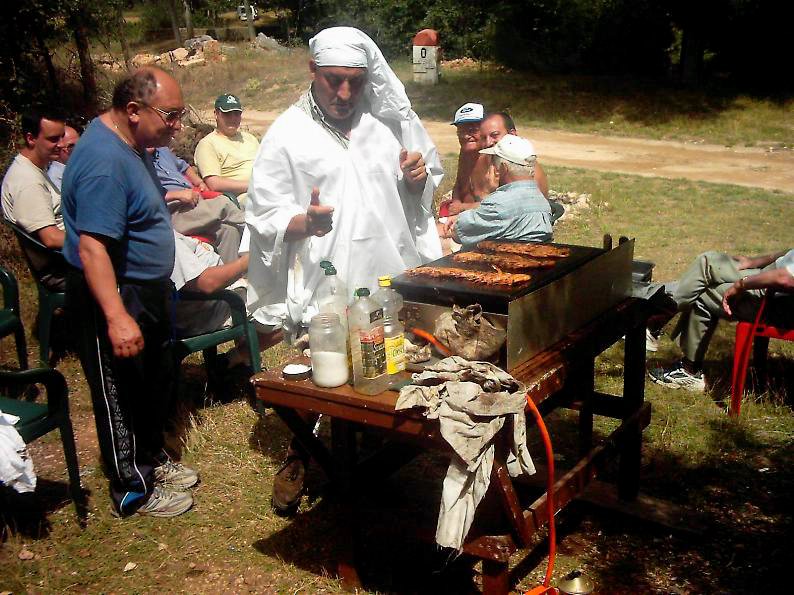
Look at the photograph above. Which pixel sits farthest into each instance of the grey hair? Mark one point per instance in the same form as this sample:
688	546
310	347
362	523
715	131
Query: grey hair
139	86
516	169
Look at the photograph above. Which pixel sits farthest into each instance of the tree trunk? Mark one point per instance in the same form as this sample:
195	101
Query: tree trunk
691	58
52	76
250	20
125	45
87	75
188	19
171	5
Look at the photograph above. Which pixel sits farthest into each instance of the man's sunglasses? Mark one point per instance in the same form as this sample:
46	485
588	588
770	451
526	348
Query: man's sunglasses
168	117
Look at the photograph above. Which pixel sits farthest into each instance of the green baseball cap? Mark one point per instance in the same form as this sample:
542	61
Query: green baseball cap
228	103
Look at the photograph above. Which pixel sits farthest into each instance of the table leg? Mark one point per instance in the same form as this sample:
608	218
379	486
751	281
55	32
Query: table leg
495	577
585	386
343	446
634	395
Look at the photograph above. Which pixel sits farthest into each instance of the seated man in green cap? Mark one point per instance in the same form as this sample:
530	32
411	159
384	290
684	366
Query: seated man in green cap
225	156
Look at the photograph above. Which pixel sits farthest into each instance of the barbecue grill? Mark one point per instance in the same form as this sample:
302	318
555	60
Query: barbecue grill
536	314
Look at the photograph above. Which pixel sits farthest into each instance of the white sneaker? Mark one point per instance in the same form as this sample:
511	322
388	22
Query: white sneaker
166	503
175	475
677	377
651	341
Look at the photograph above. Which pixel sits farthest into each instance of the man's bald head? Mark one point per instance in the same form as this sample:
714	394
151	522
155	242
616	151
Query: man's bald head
149	103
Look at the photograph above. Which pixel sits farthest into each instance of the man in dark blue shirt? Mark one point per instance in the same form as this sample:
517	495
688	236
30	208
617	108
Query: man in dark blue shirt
120	244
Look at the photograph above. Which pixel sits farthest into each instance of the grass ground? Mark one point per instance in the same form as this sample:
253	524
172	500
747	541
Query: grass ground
603	105
733	475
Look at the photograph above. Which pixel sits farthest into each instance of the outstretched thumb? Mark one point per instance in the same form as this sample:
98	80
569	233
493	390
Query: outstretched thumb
403	155
315	200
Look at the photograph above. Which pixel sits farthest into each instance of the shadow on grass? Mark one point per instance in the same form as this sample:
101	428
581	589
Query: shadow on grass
738	487
28	514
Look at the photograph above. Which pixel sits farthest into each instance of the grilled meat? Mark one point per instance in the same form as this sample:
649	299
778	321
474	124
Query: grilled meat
532	250
505	262
484	277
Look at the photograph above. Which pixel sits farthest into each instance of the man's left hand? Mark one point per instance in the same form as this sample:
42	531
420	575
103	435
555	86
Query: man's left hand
413	168
733	290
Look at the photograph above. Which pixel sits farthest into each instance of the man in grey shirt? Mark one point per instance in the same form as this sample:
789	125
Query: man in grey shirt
517	210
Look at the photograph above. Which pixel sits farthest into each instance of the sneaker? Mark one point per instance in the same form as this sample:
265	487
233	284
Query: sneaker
676	376
288	486
651	341
166	503
175	475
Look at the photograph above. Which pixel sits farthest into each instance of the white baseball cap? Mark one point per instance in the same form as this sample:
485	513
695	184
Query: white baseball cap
514	149
469	112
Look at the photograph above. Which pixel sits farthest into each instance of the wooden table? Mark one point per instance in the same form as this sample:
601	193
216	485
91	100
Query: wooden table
561	377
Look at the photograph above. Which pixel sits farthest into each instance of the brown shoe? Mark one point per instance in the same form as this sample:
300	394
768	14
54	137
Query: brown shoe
288	486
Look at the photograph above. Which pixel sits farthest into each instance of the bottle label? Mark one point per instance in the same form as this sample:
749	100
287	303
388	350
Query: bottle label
376	315
395	354
373	352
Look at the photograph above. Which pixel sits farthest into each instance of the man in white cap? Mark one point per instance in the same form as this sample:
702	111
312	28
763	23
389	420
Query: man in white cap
346	174
467	122
517	210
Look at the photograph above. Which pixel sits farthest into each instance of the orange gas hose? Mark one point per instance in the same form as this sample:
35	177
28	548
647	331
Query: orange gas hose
430	337
549	489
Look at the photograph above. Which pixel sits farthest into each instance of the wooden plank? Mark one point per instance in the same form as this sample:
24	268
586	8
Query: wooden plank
512	507
495	578
646	508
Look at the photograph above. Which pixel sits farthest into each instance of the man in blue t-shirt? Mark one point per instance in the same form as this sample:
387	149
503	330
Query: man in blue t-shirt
120	244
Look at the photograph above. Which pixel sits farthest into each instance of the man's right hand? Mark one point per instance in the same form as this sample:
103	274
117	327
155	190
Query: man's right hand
319	218
187	197
125	336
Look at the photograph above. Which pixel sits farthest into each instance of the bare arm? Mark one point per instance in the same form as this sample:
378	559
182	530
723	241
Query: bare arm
221	184
192	176
51	236
124	333
757	262
777	279
216	278
541	180
456	206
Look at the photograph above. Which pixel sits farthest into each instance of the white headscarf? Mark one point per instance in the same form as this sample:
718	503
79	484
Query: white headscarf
347	46
352	48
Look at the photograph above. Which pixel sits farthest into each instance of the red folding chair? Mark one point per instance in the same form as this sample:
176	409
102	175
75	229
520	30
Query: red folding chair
757	335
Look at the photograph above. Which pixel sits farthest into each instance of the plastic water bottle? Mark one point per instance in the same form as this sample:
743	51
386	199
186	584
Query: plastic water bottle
367	347
393	329
387	297
332	294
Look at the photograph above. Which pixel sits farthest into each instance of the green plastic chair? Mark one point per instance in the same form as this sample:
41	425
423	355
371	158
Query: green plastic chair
37	420
49	300
10	317
208	343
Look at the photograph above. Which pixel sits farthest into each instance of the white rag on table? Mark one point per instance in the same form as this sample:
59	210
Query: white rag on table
16	467
471	400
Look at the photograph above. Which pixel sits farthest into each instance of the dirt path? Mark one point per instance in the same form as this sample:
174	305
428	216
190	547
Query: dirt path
773	170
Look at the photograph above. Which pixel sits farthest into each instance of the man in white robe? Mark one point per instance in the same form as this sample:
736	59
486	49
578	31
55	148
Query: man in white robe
355	139
346	174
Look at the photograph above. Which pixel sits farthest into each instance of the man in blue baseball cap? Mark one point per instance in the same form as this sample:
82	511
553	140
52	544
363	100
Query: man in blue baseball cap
225	156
